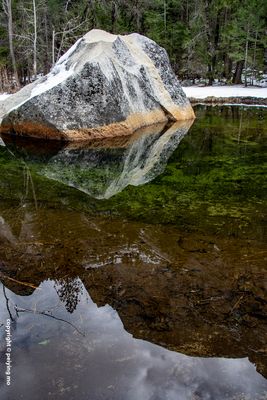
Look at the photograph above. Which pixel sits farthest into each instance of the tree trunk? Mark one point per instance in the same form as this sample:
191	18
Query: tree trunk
4	82
165	18
246	57
265	57
8	11
238	72
53	47
216	43
34	40
113	16
227	67
47	63
210	75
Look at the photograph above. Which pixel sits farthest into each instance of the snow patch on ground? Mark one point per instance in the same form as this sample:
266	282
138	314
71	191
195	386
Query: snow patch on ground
224	91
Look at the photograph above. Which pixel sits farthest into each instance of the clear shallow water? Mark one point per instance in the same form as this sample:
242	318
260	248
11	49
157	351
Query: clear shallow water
152	291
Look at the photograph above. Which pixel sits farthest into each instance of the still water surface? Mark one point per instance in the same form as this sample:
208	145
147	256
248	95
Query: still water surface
136	268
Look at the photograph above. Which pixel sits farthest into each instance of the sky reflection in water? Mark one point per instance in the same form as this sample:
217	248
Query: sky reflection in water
51	359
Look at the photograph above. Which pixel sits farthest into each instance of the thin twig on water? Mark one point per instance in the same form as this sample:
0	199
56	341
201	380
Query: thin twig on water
18	310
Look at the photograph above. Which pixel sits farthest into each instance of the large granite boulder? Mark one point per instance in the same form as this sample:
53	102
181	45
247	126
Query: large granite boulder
105	85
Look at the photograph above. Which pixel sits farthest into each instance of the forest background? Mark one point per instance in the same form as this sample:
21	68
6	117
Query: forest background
207	40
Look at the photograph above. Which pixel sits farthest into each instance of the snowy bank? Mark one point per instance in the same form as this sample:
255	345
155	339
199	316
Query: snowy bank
227	94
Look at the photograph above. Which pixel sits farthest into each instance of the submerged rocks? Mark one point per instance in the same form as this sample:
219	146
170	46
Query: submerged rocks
105	85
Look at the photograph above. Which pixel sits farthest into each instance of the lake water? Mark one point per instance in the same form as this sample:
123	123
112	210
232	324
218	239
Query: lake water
135	268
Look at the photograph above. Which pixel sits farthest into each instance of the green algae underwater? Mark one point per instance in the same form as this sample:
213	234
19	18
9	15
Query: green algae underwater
215	180
136	268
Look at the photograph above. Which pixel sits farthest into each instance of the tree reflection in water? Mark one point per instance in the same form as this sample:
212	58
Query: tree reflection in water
69	291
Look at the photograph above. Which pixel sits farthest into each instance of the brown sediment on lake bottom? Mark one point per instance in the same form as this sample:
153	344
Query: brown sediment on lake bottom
117	129
211	100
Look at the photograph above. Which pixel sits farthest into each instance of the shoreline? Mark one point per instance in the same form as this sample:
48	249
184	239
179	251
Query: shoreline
213	96
227	95
230	101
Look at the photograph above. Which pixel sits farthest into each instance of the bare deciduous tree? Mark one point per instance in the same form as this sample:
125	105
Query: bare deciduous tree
7	7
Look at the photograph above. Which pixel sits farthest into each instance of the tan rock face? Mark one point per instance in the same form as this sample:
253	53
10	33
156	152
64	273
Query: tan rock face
104	86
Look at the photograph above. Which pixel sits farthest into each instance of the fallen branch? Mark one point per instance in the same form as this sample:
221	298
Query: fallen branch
18	310
7	306
237	303
20	282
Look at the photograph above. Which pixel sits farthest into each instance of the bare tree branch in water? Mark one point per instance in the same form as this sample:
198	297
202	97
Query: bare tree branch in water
7	304
20	282
21	310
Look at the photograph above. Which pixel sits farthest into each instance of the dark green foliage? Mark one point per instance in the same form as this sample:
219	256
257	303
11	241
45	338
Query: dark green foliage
207	39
